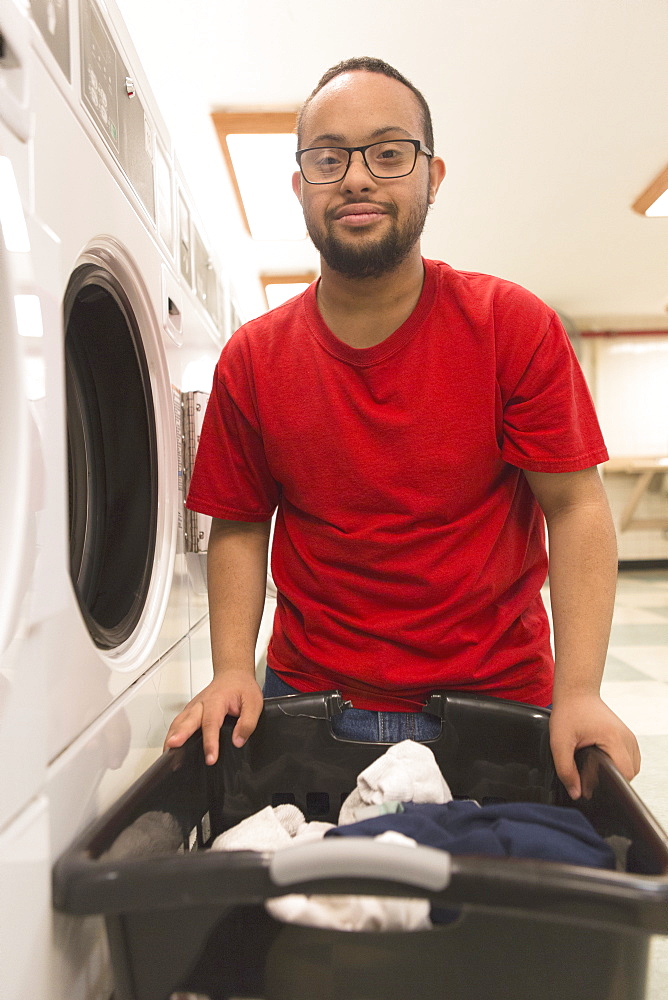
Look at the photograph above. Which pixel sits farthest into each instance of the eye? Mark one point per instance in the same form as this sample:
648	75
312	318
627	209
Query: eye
391	154
329	159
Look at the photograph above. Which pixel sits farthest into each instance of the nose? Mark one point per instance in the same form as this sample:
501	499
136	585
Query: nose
358	177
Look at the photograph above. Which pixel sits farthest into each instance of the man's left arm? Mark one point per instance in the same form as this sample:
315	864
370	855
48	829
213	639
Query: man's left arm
583	572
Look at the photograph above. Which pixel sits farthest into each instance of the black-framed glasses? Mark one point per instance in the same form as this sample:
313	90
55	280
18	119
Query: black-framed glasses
391	158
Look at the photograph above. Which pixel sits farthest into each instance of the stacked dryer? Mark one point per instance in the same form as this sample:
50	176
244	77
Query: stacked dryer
114	300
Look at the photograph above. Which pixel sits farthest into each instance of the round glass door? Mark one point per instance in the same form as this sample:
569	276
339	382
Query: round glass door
112	456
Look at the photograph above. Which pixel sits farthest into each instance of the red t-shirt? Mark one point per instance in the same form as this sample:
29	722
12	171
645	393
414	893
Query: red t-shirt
408	549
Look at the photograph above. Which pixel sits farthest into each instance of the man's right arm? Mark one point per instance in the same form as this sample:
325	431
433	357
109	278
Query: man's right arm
237	580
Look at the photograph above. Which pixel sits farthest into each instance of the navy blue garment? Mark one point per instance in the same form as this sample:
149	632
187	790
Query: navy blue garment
510	830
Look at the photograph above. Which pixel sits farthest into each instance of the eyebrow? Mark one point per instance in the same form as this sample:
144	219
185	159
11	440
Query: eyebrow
340	139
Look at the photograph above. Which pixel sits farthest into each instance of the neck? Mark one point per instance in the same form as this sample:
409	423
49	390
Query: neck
365	311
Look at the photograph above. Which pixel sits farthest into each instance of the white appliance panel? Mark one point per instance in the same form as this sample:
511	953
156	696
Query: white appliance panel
106	228
84	781
31	491
25	916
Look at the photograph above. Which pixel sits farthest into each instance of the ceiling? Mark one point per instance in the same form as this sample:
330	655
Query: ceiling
551	115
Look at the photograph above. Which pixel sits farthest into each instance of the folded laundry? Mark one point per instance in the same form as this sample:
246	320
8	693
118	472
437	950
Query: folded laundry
407	772
513	830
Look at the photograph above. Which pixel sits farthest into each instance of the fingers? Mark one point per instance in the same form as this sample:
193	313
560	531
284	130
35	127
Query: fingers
634	755
211	737
198	715
622	747
627	757
242	697
587	722
184	725
250	712
566	768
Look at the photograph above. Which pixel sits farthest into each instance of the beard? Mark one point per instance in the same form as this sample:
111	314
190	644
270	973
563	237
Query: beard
366	257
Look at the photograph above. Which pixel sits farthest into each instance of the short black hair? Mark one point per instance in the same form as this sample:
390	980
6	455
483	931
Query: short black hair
370	65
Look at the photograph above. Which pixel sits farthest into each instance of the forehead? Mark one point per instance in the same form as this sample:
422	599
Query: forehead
355	107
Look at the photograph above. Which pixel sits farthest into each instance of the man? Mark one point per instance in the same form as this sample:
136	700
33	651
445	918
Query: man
412	425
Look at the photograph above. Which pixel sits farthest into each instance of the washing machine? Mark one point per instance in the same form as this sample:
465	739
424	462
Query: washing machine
113	310
138	292
29	551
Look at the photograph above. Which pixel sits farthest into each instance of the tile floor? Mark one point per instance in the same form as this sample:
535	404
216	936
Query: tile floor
635	686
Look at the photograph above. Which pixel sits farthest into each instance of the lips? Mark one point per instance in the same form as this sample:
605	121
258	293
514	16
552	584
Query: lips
361	212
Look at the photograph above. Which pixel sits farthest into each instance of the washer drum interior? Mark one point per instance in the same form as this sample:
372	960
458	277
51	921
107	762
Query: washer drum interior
112	456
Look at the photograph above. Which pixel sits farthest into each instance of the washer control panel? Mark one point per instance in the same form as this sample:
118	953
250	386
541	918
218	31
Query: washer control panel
110	97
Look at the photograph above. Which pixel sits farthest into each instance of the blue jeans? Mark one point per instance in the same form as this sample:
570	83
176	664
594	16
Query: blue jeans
365	726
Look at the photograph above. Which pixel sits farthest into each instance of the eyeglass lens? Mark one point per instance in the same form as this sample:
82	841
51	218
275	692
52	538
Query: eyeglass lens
384	159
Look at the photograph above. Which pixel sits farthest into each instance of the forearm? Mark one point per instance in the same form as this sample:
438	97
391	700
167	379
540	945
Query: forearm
583	573
237	580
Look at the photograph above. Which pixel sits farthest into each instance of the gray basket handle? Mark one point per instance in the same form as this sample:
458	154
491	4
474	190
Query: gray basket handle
361	857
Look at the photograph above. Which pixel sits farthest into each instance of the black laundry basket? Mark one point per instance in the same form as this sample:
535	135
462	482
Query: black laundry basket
195	921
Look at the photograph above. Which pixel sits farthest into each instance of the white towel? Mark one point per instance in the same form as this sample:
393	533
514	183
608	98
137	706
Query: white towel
290	817
263	831
270	829
407	772
352	913
308	832
355	913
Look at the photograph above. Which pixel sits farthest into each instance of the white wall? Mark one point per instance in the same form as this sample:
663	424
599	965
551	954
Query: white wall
631	392
629	381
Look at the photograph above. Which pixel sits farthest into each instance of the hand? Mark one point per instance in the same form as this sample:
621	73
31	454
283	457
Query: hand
234	692
585	720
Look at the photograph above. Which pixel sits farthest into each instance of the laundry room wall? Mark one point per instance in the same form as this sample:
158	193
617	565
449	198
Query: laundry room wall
628	375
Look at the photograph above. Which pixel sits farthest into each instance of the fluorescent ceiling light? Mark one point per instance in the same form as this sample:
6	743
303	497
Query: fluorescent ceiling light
264	165
280	293
653	202
658	208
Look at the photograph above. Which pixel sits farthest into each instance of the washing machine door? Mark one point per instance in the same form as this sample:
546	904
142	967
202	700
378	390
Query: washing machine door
112	455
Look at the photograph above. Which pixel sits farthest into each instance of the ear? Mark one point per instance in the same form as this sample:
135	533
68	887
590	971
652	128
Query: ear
297	185
436	175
